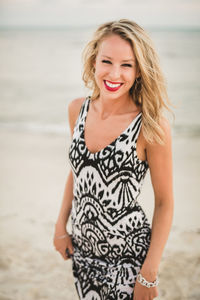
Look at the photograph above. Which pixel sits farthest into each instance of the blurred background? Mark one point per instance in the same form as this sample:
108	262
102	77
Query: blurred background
41	43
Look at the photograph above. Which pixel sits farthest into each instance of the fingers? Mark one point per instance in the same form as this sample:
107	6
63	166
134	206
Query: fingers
65	253
64	247
70	247
69	251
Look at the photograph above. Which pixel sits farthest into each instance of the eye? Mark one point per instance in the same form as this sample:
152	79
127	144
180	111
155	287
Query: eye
127	65
106	61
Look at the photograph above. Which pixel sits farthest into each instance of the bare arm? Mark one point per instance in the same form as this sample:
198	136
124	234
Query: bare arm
160	163
66	205
64	213
62	239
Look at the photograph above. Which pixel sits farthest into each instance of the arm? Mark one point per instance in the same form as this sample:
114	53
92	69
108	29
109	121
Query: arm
61	244
160	163
64	213
66	205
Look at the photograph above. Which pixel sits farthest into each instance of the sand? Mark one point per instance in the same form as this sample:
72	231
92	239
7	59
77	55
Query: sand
34	168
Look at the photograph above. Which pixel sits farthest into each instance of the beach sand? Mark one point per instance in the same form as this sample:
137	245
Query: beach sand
34	168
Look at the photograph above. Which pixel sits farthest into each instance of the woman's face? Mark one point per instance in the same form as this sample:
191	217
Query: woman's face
115	67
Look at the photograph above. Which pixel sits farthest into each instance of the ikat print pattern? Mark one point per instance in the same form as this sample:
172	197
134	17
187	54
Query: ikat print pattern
110	231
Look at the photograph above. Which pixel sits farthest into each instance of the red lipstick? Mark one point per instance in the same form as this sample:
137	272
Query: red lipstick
112	89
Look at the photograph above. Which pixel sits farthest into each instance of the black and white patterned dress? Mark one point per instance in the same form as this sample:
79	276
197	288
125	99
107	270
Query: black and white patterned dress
110	231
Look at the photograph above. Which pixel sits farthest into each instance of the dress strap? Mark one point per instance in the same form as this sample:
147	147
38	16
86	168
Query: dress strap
136	129
83	110
139	128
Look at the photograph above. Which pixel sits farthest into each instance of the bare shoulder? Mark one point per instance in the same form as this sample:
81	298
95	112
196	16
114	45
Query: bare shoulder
160	162
157	153
73	111
75	105
166	127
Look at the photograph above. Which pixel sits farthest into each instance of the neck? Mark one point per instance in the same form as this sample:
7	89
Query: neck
109	107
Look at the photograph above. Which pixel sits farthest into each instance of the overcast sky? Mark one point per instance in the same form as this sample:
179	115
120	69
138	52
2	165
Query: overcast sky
51	13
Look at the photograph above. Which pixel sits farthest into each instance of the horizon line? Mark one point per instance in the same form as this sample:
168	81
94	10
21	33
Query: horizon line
81	26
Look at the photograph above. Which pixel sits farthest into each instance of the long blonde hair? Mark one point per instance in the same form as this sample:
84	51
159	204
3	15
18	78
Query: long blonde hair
149	91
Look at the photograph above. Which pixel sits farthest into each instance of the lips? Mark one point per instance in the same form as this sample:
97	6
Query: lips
112	86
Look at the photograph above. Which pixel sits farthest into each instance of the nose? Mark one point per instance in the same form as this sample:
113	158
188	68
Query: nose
115	73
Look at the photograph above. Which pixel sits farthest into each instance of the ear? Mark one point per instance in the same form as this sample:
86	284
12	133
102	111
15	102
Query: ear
138	74
94	64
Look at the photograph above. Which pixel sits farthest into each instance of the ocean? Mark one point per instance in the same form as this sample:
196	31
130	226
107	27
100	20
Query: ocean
40	73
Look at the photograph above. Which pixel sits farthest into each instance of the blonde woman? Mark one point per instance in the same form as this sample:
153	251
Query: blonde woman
118	133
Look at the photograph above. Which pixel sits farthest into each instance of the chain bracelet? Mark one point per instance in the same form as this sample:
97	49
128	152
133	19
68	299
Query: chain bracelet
61	236
146	283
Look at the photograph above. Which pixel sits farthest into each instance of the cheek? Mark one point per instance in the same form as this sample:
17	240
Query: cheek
98	77
131	76
100	72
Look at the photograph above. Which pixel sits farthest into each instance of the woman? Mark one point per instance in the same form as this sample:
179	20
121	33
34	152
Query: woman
118	133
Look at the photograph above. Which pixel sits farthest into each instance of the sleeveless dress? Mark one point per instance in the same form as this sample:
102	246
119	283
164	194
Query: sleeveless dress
110	231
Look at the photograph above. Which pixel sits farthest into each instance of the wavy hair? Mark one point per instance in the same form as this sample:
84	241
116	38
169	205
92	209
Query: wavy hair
149	90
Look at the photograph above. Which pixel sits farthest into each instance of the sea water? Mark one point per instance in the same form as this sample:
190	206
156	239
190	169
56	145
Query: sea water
41	72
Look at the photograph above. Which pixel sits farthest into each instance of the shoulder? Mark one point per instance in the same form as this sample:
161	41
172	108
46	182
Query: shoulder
74	107
157	151
166	128
160	161
165	125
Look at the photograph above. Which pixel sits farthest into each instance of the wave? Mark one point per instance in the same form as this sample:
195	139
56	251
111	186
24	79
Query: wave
58	129
178	130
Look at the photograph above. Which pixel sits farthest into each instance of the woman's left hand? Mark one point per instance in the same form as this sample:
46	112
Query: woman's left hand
144	293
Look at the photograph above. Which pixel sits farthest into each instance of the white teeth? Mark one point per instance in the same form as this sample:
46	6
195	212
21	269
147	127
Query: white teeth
113	85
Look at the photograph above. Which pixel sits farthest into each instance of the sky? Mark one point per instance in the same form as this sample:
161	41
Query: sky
59	13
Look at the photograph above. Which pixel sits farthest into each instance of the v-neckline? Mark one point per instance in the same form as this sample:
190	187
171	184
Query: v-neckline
114	141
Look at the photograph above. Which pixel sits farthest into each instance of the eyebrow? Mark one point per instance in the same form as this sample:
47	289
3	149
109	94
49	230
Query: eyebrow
122	60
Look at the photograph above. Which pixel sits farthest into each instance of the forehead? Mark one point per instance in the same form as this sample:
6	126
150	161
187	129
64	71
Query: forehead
115	46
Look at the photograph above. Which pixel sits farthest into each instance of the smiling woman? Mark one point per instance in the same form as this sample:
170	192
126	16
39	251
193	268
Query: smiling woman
118	133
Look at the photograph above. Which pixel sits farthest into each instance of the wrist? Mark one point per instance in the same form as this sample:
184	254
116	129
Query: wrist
63	236
152	262
60	229
149	272
60	225
143	281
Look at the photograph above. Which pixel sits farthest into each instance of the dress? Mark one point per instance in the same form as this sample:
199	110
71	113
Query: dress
110	231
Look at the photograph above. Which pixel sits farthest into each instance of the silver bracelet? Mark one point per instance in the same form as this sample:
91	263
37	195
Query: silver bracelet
61	236
146	283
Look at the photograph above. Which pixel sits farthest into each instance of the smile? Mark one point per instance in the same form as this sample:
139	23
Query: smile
112	86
